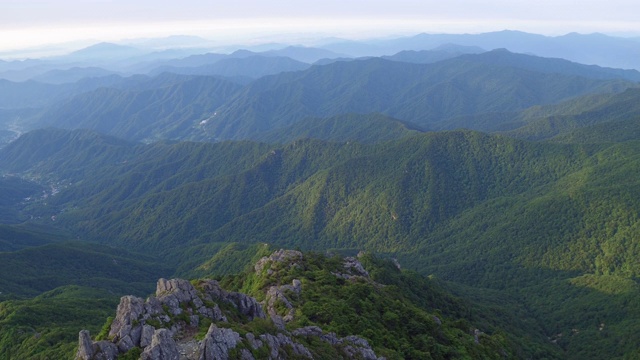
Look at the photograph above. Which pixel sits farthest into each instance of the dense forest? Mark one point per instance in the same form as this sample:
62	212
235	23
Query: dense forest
488	189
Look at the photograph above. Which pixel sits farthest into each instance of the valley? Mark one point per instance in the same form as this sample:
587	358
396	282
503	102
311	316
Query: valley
494	191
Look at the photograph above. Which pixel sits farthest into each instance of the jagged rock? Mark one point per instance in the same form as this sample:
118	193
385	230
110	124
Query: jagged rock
354	347
178	304
278	322
276	295
353	269
331	338
173	297
189	350
174	292
85	346
279	256
297	286
277	342
301	350
194	320
146	336
104	350
162	347
246	355
218	342
125	344
128	313
152	307
246	305
354	266
255	343
272	343
359	348
308	331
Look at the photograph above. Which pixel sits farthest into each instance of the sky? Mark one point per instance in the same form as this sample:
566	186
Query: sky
32	23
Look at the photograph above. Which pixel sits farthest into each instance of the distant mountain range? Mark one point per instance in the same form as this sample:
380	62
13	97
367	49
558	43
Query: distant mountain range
482	91
509	179
592	49
147	54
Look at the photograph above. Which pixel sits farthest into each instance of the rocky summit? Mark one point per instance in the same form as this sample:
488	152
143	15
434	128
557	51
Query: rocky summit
169	325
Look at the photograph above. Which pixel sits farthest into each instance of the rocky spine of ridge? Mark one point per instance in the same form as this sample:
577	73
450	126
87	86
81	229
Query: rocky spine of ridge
164	326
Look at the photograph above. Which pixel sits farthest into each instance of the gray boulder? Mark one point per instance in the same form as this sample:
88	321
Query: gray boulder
85	346
162	347
128	313
218	342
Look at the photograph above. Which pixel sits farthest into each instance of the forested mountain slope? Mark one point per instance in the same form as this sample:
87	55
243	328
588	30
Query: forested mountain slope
166	112
484	210
477	91
528	233
416	93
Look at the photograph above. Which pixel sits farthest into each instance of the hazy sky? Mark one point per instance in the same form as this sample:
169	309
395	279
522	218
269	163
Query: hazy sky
27	23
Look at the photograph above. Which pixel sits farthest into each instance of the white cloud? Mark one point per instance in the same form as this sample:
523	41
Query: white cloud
25	23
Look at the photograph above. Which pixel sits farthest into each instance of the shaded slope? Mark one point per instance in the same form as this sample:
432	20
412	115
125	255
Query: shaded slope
253	67
535	220
365	128
37	269
419	94
604	113
166	112
47	325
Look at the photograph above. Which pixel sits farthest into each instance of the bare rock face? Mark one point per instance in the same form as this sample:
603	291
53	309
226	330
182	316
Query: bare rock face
105	350
85	346
354	266
353	347
277	343
278	294
246	305
147	335
164	326
162	347
358	348
172	293
124	329
218	342
178	306
280	256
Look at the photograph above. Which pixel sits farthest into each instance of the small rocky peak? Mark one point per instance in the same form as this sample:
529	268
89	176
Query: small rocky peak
246	305
85	346
88	350
218	342
173	314
165	325
162	347
293	257
354	267
353	347
279	297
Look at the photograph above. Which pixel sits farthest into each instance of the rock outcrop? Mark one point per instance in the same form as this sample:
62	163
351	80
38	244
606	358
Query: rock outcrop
218	342
85	346
162	347
277	295
175	311
291	257
353	347
165	325
100	350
